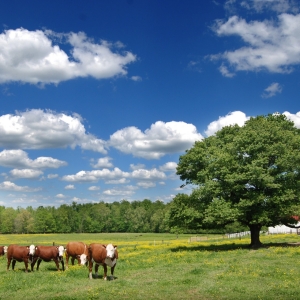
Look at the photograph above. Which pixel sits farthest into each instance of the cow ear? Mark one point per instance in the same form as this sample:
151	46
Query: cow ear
104	246
35	247
115	246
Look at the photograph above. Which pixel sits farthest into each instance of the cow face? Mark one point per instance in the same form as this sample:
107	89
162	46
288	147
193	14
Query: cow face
31	252
61	251
83	259
110	250
31	249
5	249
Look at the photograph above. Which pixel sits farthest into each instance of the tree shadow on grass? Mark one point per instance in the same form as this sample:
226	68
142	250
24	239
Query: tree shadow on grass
231	246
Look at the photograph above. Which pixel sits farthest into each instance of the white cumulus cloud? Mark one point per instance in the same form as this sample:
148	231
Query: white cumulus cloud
293	117
70	187
169	166
124	191
10	186
161	138
94	176
103	162
39	129
36	57
25	173
94	188
20	159
236	117
269	45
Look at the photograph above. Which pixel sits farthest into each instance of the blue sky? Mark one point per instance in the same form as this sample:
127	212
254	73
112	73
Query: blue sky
100	98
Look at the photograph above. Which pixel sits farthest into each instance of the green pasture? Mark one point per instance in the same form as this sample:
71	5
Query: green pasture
163	266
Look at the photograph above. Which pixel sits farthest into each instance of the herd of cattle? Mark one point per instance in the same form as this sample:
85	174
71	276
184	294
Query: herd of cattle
105	255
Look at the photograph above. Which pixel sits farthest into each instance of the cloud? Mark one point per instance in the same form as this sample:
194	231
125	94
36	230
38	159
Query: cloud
10	186
52	176
124	191
293	117
152	174
94	176
136	78
70	187
117	181
19	159
35	57
146	185
169	167
272	90
25	173
225	72
103	162
136	167
94	188
160	139
60	196
116	176
278	6
39	129
236	117
269	45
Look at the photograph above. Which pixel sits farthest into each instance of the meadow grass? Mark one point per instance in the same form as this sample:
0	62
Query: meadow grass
162	266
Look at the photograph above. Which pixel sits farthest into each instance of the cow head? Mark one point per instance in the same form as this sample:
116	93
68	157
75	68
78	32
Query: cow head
61	251
110	250
5	249
83	259
31	251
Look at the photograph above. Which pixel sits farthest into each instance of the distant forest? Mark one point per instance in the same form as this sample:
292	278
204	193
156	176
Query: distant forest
124	216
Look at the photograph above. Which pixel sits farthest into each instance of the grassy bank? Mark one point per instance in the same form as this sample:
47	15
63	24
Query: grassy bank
163	266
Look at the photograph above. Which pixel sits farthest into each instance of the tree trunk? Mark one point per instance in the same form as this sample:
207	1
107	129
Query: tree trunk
255	230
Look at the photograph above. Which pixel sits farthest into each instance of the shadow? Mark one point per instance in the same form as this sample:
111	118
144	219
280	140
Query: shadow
232	246
101	277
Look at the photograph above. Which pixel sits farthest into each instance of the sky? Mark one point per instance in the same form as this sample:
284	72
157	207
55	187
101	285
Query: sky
100	98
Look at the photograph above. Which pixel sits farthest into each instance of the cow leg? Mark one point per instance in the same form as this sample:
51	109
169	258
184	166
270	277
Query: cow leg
73	260
38	264
96	270
26	265
112	269
105	271
8	263
91	269
13	264
62	264
67	260
57	264
33	263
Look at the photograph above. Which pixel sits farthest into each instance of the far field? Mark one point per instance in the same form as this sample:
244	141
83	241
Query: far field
163	266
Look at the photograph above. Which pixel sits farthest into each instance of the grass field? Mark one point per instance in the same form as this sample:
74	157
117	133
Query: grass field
162	266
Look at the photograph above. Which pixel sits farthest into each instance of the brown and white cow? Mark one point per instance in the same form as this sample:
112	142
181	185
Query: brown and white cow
48	253
76	250
105	255
3	250
20	253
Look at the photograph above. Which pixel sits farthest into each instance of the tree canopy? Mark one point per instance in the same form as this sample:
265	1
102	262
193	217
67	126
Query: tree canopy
247	174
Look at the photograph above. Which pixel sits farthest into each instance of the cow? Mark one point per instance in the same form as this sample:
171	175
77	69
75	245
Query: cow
3	250
105	255
20	253
76	250
48	253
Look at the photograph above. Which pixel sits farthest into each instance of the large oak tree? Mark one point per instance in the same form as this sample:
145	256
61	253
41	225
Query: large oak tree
248	174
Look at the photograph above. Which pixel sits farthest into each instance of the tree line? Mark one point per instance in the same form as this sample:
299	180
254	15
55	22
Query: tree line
124	216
